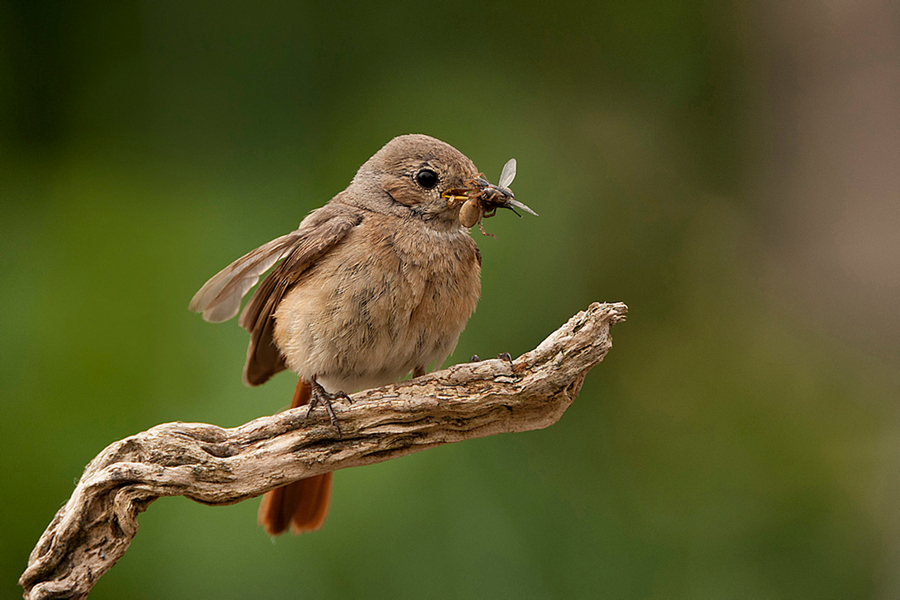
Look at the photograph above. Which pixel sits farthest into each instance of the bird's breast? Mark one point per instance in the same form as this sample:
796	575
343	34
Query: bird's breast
394	295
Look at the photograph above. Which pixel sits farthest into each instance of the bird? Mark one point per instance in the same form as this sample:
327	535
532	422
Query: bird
376	284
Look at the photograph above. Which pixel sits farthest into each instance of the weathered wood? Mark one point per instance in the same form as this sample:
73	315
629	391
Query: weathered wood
217	466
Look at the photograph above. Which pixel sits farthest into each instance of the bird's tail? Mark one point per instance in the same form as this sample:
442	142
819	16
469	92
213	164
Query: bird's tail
302	505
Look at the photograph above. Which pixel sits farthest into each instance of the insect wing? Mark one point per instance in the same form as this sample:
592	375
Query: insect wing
508	173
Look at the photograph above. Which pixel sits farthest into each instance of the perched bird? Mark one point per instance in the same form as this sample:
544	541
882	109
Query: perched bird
378	283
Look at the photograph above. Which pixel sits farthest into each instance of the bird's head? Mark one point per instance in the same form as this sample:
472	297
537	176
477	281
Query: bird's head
425	177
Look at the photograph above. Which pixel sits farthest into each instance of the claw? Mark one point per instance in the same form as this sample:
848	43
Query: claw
324	398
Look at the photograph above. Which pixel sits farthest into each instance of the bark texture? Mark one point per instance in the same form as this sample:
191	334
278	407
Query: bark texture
217	466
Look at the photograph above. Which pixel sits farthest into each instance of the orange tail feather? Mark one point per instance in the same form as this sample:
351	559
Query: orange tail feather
302	505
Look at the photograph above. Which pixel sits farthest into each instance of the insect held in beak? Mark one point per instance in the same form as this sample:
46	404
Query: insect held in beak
481	198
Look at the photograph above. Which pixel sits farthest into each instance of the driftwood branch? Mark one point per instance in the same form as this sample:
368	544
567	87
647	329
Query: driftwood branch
216	466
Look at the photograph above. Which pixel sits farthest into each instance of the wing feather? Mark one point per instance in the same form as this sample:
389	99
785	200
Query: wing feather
263	357
220	298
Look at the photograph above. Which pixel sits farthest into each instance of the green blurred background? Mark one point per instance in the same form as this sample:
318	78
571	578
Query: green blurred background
729	170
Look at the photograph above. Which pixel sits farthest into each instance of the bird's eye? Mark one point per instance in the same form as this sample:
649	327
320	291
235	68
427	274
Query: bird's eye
427	178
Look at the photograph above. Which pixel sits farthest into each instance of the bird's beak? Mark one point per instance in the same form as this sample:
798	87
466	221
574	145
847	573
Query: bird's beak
490	196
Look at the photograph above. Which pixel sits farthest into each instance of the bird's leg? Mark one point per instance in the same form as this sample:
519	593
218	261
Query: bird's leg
320	396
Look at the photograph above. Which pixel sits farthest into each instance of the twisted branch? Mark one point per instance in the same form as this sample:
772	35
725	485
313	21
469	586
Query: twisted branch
218	466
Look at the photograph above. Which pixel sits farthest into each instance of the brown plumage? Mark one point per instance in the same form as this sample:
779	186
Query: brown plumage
374	285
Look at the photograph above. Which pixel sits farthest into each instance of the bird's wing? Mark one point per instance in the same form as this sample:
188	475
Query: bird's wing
220	298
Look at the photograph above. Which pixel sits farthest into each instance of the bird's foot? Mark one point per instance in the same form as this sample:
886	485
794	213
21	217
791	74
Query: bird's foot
324	398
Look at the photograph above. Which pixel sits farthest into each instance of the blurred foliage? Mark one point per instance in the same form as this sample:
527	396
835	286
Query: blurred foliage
722	450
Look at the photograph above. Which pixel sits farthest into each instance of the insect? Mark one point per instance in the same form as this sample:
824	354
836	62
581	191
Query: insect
481	198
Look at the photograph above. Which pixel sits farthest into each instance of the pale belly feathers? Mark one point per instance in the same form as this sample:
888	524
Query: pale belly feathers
378	306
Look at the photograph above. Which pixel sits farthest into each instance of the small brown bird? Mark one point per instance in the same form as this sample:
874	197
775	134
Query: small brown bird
374	285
